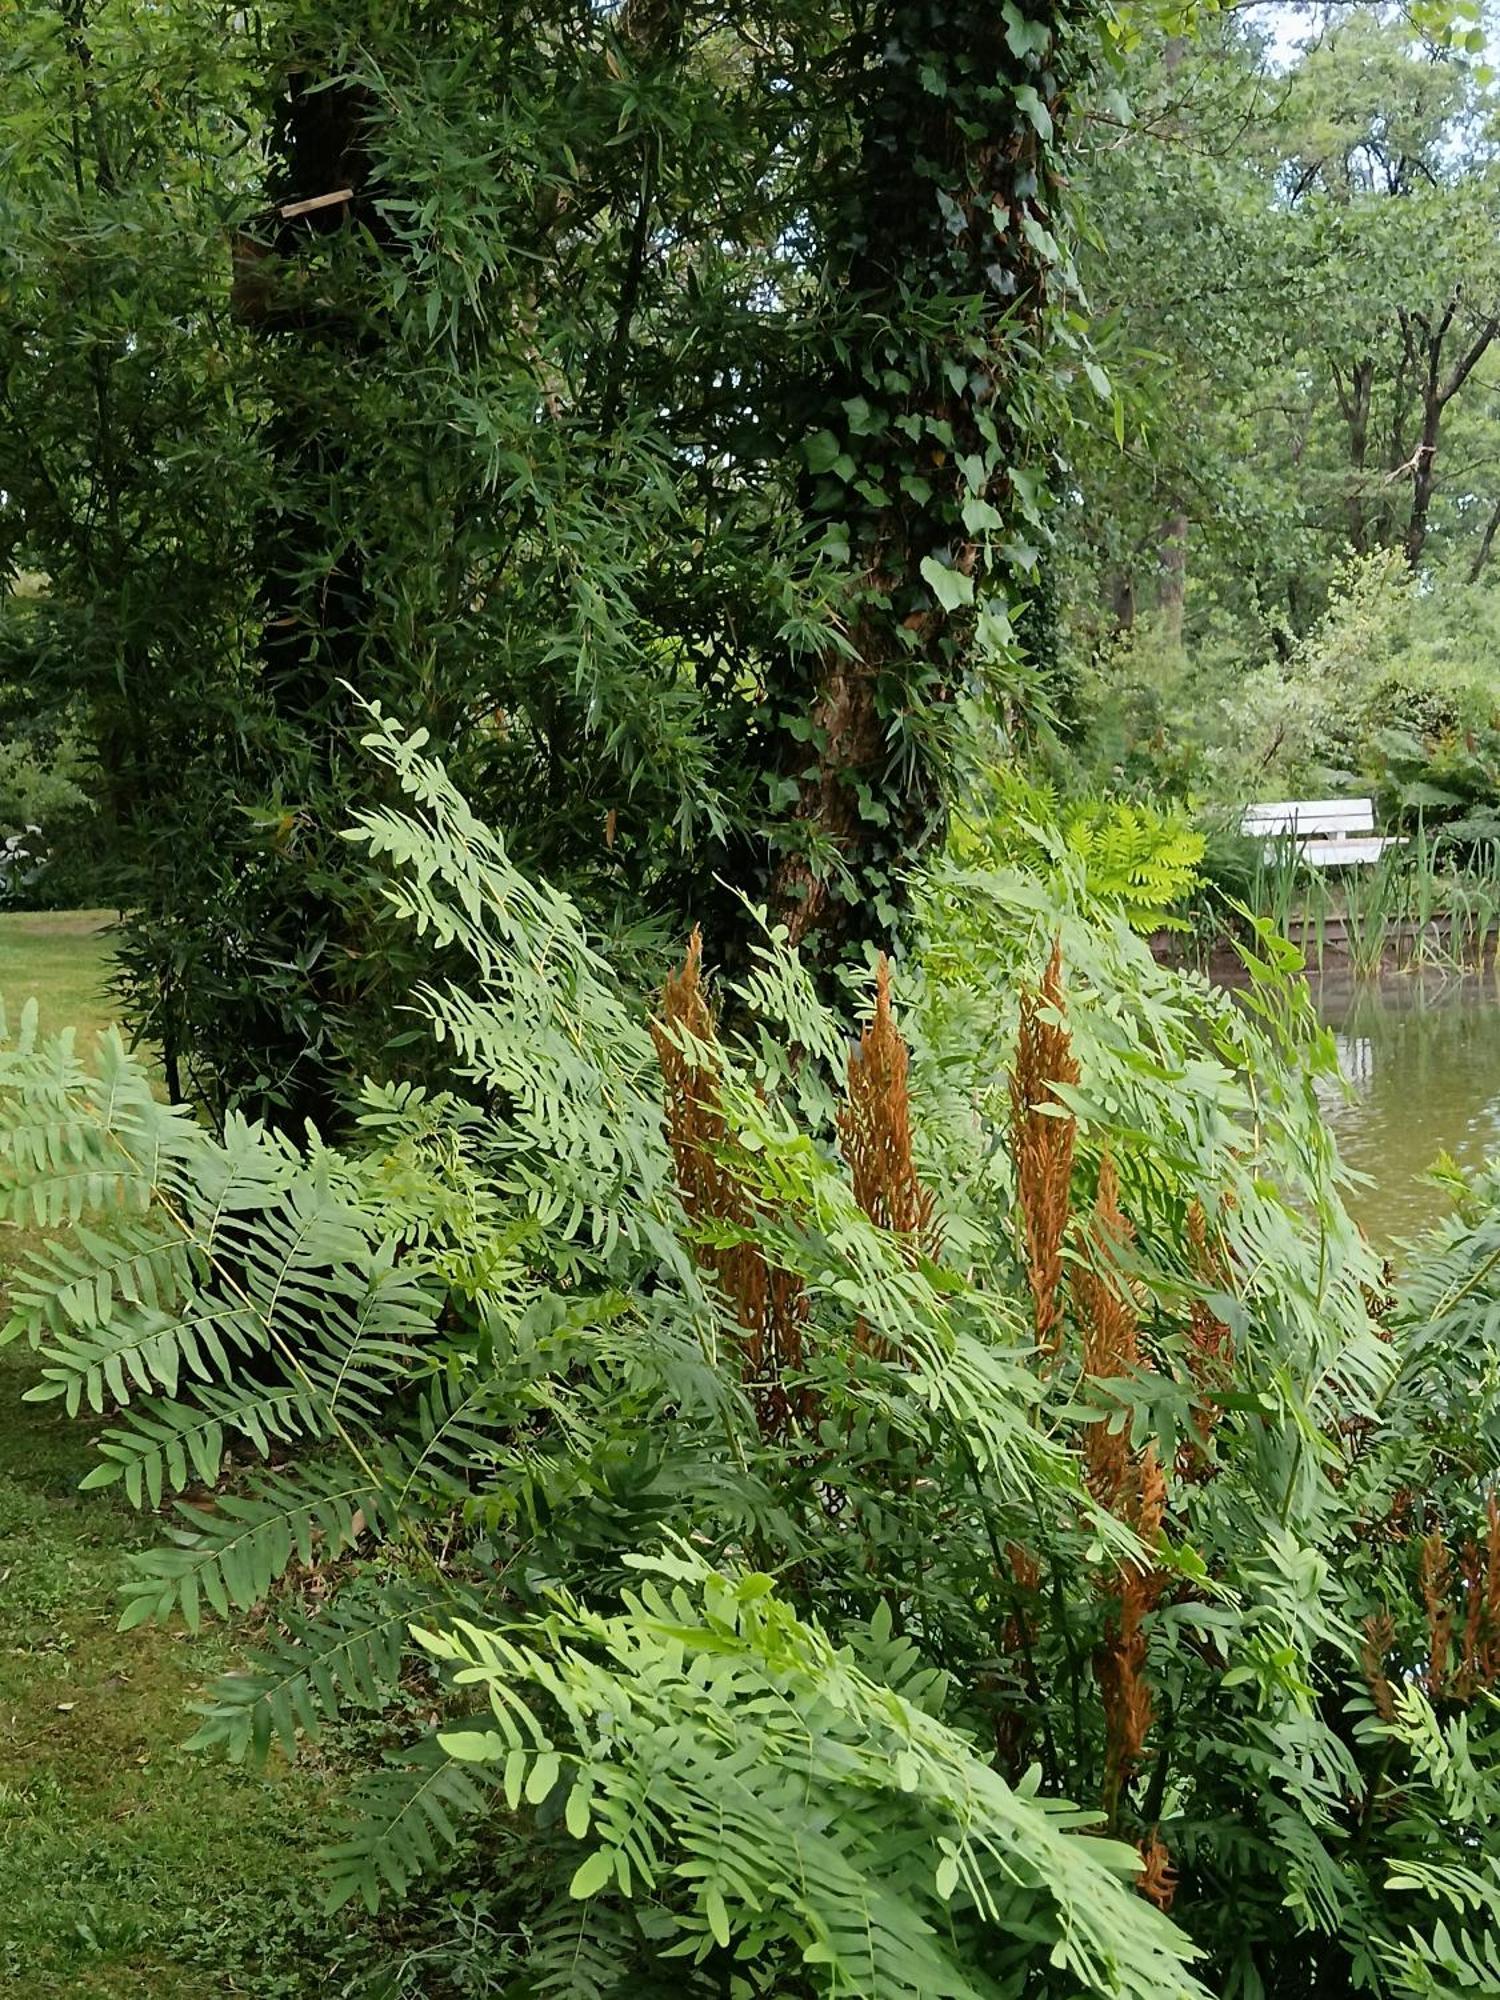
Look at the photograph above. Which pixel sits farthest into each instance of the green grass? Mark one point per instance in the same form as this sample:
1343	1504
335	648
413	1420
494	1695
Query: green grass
59	958
128	1866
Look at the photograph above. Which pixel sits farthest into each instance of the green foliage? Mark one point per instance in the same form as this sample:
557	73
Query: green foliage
793	1703
1137	860
847	1829
1283	548
647	339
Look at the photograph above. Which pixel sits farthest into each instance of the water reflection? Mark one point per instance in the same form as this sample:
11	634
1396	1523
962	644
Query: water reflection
1421	1053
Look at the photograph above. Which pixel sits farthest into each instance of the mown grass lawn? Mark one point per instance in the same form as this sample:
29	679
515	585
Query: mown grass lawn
60	959
128	1866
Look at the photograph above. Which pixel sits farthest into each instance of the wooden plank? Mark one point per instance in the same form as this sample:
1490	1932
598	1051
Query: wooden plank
1344	851
1310	816
296	208
1303	810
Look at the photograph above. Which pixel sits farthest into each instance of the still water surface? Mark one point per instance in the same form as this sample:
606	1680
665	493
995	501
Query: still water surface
1421	1053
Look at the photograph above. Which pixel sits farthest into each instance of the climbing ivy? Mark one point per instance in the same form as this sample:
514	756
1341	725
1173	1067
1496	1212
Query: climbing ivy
927	459
651	402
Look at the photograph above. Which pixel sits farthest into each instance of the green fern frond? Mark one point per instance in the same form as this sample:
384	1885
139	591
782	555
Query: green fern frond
774	1797
350	1656
407	1818
231	1555
165	1446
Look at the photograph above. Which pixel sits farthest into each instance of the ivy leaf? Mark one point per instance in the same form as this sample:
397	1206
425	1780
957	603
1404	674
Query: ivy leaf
950	587
822	451
1035	110
1041	240
1023	38
864	420
994	632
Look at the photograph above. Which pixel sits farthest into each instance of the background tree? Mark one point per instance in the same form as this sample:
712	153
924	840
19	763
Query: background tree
1297	265
646	402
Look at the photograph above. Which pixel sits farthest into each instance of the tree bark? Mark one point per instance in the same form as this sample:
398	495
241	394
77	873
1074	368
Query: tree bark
949	202
1438	392
1173	595
1482	556
1354	401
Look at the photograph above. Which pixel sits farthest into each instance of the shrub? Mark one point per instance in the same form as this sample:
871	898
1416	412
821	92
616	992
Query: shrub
790	1475
49	846
1136	860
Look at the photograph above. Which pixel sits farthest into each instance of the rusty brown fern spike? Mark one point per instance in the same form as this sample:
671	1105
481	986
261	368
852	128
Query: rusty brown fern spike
1043	1132
1489	1645
1107	1320
1435	1573
1479	1574
1471	1574
770	1304
875	1126
1378	1644
1131	1484
875	1134
1157	1880
1210	1345
1120	1669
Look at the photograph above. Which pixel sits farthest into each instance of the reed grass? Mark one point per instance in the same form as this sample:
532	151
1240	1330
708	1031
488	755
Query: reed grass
1418	907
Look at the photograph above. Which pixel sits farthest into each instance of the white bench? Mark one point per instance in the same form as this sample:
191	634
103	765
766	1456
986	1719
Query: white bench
1327	833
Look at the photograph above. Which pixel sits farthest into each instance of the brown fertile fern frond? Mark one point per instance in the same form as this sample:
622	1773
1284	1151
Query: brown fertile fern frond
1479	1577
1471	1571
770	1305
1042	1139
1436	1575
875	1127
1107	1318
1120	1669
695	1119
1489	1646
1131	1484
1210	1345
1157	1880
875	1133
1378	1644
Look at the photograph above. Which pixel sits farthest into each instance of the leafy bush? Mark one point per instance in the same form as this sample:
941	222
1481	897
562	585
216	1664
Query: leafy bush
1391	691
1134	859
50	856
789	1475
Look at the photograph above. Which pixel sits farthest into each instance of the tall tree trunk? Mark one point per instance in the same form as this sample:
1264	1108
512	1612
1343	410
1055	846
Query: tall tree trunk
1487	542
1423	484
1173	595
1354	400
316	608
941	279
1438	391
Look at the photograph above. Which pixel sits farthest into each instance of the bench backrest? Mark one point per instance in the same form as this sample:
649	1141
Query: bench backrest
1304	816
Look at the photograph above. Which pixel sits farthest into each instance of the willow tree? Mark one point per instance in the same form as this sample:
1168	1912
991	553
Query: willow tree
651	402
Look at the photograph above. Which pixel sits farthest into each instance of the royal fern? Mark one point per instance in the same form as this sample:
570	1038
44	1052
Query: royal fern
788	1654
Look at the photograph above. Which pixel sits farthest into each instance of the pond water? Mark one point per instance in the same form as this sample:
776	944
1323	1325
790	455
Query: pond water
1421	1053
